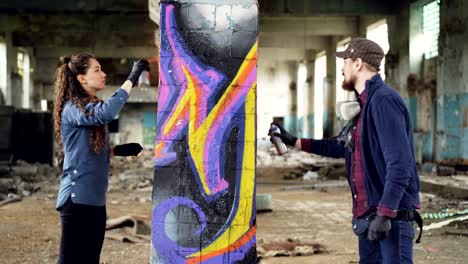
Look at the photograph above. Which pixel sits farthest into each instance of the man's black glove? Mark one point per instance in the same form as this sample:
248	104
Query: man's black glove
138	67
130	149
379	227
287	138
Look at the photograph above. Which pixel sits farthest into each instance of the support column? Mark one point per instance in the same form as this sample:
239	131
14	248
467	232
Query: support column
452	83
310	62
10	66
204	177
302	99
3	69
290	121
329	89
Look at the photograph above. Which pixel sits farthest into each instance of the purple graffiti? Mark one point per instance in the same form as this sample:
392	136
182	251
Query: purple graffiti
168	250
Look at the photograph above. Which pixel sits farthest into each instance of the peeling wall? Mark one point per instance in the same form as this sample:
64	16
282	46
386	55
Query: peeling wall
452	83
397	59
131	123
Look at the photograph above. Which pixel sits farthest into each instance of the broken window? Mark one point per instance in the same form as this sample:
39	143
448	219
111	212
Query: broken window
431	16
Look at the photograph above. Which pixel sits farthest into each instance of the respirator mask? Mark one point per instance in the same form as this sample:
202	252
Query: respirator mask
347	109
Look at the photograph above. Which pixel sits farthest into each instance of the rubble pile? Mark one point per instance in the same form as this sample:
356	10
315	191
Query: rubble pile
298	165
434	169
294	158
131	229
288	248
22	179
132	173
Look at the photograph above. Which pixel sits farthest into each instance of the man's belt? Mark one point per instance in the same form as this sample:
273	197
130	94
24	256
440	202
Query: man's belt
411	215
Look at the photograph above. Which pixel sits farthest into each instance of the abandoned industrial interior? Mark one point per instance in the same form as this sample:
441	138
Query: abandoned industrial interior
213	183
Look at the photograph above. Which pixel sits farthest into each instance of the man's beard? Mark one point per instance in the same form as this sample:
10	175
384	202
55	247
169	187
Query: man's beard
349	85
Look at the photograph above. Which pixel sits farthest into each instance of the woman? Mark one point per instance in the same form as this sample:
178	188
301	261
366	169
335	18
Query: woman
80	119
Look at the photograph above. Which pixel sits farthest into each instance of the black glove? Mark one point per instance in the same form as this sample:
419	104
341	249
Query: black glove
287	138
130	149
379	227
138	67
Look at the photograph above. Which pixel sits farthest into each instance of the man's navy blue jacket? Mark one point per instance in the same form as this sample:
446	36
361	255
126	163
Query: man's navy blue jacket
391	178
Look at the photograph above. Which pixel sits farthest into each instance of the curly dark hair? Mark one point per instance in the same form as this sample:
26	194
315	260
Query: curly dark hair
68	88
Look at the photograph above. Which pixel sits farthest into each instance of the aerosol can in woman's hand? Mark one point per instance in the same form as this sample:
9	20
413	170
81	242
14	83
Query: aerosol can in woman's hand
281	148
143	80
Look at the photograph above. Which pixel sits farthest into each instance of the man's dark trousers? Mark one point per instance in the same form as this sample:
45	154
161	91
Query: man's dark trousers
397	248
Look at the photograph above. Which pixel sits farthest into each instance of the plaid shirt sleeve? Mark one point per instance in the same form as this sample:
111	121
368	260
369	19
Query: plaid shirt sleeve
385	211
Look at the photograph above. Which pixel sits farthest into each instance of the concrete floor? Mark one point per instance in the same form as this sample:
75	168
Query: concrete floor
29	230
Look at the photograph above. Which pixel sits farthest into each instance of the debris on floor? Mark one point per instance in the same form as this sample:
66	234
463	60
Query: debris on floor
132	173
290	247
12	198
132	229
323	186
444	213
298	165
451	187
434	169
458	228
21	179
445	222
263	203
457	233
310	175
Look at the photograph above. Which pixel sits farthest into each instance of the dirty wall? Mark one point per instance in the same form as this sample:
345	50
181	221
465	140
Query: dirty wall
452	83
434	89
204	191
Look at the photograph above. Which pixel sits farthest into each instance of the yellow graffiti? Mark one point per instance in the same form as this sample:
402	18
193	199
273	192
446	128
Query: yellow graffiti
245	205
197	135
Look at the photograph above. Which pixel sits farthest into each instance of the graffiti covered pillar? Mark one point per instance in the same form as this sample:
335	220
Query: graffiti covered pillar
204	177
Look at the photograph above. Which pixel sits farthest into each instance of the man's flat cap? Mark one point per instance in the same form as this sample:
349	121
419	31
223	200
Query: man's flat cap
369	52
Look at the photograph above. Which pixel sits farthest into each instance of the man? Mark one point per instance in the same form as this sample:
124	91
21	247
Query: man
378	149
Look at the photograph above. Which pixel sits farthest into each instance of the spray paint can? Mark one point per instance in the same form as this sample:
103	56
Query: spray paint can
281	148
143	79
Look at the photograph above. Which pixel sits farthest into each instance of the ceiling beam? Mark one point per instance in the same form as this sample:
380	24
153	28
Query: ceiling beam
330	7
291	40
98	51
52	6
282	54
311	26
